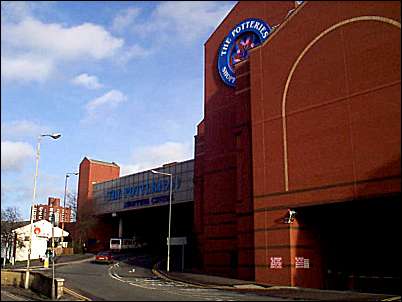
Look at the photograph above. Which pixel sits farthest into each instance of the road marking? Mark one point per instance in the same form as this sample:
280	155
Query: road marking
77	295
173	287
112	275
392	298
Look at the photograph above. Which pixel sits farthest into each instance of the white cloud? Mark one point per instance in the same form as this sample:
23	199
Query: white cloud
129	169
186	20
99	106
26	68
55	40
154	156
134	51
14	155
15	10
17	190
31	49
125	19
111	98
22	129
85	80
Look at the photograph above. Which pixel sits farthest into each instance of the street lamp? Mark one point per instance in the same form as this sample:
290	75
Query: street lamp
64	205
54	136
170	214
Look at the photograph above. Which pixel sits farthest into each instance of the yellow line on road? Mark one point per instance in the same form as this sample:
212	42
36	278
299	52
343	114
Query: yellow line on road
77	295
392	298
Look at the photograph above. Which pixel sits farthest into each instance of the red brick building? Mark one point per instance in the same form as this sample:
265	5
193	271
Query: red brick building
312	126
43	211
91	229
134	206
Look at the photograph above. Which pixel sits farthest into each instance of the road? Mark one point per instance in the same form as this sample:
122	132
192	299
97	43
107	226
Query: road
131	279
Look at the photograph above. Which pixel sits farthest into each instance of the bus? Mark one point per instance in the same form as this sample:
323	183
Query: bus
120	244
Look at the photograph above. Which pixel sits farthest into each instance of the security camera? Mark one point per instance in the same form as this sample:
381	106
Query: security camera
290	216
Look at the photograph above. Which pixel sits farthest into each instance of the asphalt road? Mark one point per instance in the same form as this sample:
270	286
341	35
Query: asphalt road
131	279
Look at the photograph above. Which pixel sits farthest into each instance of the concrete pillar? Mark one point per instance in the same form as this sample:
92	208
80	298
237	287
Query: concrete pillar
120	227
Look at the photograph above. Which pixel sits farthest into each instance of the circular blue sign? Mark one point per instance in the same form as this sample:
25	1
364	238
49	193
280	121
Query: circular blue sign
234	48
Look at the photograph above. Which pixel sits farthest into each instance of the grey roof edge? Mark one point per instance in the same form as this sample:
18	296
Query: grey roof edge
103	162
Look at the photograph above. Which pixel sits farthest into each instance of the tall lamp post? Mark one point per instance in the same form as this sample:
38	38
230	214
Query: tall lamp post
54	136
64	206
53	255
170	215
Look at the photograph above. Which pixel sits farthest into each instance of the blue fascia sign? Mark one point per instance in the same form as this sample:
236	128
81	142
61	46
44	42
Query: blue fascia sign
234	48
147	201
162	185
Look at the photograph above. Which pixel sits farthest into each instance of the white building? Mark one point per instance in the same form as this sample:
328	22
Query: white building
41	233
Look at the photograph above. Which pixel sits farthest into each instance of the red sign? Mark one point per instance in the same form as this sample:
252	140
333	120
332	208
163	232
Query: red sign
36	230
276	262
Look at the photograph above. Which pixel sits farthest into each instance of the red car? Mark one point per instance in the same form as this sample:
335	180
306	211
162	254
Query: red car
104	257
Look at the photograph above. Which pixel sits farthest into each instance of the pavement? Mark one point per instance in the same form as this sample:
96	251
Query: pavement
63	259
216	282
297	293
11	293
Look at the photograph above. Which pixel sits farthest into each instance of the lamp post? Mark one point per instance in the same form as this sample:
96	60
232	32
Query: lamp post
54	136
64	205
170	214
53	254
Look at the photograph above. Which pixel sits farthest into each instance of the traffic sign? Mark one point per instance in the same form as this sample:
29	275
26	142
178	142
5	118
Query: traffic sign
177	241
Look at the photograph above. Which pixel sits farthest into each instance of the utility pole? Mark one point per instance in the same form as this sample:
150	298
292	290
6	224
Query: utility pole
54	136
53	254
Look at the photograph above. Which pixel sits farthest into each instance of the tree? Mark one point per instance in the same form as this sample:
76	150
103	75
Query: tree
10	220
86	221
71	202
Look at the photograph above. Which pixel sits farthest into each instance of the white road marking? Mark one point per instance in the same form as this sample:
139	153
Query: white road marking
180	289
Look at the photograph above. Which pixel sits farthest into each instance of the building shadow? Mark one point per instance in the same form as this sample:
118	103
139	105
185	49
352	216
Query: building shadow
357	239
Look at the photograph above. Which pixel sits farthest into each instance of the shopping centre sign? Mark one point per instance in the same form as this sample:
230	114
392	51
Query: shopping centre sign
143	189
235	47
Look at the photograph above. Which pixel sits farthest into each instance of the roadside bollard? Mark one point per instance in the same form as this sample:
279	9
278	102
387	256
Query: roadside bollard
46	262
59	287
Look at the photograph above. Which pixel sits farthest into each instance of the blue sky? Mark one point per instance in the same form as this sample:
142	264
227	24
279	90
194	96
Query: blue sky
122	82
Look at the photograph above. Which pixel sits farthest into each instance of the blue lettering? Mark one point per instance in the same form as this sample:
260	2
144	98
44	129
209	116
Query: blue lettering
156	186
149	191
166	185
136	203
127	192
114	195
